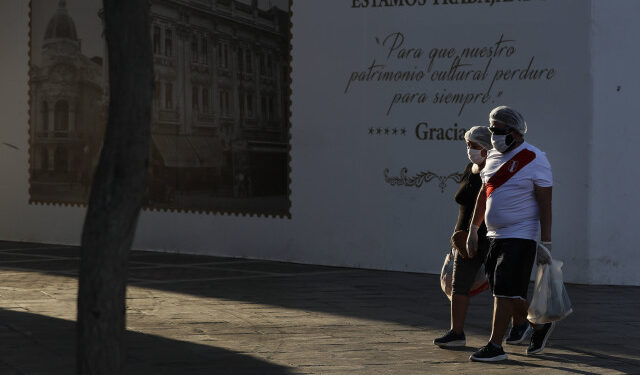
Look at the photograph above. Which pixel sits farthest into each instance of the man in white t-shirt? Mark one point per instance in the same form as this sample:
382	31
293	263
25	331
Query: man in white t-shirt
515	203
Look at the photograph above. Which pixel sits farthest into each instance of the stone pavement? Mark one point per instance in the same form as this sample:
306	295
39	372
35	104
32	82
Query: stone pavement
190	314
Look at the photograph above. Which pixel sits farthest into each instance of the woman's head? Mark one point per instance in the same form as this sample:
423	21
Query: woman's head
480	136
478	140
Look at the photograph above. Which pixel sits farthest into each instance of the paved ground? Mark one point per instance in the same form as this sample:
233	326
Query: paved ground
192	314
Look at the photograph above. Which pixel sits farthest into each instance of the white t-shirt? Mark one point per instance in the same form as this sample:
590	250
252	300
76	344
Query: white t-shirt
512	208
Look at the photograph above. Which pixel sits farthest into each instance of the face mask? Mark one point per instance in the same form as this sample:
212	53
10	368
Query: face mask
501	142
475	156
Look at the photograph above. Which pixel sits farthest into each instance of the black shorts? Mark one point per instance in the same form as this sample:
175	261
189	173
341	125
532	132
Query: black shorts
508	266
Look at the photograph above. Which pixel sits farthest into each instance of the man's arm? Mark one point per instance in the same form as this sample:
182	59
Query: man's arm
543	196
481	206
476	220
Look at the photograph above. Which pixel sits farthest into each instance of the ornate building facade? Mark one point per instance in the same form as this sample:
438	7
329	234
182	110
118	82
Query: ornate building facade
220	124
67	114
220	118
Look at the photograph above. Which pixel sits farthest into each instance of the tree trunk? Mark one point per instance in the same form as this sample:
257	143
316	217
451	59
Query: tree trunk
118	187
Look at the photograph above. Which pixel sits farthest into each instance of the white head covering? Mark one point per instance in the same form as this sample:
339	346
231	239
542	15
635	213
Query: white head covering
510	117
480	135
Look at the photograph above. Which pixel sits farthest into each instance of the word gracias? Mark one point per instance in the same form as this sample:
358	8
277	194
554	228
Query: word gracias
410	3
426	133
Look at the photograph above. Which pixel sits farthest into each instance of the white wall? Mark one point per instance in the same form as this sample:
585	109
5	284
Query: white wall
343	211
614	174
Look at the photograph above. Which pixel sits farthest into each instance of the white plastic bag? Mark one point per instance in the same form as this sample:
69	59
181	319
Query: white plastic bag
550	302
446	277
446	274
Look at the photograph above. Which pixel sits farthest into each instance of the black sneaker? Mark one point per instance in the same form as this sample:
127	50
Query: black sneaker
489	353
519	333
540	337
451	339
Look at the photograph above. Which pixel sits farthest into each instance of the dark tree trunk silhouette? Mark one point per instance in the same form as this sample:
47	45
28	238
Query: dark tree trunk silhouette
118	187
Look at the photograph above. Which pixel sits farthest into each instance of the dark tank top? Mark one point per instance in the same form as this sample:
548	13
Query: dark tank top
466	198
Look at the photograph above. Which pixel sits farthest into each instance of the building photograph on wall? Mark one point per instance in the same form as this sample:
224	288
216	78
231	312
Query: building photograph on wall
220	113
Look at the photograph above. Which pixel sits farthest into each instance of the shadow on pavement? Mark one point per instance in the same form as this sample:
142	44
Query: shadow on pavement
36	344
605	317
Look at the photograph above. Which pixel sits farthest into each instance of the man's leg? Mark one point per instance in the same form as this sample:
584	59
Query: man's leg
502	310
492	352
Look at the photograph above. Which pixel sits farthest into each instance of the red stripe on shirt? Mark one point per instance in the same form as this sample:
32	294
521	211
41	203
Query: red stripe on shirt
509	169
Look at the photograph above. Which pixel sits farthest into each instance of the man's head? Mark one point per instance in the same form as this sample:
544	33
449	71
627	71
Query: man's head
507	127
509	117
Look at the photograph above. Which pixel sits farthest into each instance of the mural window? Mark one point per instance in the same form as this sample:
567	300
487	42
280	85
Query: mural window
194	98
205	100
250	105
157	94
241	102
204	51
271	108
61	117
269	65
263	68
225	107
223	55
61	160
240	60
263	106
194	49
44	159
168	43
249	65
45	116
157	40
168	96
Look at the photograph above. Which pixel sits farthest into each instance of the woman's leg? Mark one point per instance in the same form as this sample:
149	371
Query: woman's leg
459	306
520	308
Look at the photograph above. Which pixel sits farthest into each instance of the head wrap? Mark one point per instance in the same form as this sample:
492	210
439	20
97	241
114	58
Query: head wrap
509	117
480	135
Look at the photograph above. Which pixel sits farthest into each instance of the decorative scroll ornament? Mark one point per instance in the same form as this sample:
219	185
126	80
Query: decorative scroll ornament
419	179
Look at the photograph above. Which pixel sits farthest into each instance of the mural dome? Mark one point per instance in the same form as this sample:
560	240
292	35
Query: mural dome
61	25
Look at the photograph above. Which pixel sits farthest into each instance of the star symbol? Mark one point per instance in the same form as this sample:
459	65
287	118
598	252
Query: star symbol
386	131
371	130
395	131
403	131
378	131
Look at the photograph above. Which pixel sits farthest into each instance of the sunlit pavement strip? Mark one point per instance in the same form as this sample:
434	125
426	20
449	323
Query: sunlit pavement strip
201	315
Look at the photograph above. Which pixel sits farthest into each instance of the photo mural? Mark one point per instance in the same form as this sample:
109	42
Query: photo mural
220	114
383	92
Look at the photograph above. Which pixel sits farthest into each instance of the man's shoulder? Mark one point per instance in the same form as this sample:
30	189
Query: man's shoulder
541	156
530	147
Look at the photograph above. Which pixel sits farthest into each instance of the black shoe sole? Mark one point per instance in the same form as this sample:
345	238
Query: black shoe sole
526	334
501	357
544	342
451	344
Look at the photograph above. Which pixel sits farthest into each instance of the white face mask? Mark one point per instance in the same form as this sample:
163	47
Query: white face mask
499	142
475	156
